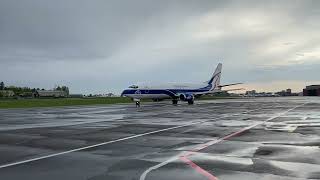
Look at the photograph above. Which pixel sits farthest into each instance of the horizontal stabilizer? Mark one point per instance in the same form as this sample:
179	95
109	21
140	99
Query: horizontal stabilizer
239	89
230	84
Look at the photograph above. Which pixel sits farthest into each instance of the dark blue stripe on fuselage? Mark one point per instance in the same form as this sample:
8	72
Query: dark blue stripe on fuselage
170	92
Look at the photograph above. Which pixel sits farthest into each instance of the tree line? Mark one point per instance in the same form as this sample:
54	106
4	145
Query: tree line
27	91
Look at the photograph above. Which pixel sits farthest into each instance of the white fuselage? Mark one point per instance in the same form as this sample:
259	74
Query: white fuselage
164	91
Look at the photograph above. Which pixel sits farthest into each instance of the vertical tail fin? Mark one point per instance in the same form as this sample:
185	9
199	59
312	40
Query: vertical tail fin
215	79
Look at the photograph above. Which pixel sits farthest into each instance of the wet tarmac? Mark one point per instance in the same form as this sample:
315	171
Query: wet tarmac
261	138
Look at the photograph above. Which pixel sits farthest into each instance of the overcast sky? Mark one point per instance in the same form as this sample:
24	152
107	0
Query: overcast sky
100	46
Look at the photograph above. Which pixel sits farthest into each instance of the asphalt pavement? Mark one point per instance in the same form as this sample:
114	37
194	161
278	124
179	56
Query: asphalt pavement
250	138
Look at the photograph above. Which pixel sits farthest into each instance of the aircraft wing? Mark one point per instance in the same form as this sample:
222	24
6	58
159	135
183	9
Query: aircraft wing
232	89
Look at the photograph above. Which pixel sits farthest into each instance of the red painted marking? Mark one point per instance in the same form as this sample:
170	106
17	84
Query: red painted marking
210	143
203	146
197	168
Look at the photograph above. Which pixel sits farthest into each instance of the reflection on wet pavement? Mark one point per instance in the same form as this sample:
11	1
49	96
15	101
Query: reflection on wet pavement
286	147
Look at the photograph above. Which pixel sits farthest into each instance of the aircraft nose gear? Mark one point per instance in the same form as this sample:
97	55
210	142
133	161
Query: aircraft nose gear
137	103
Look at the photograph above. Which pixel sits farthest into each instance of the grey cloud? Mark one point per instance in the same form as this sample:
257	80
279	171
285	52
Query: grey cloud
110	44
69	28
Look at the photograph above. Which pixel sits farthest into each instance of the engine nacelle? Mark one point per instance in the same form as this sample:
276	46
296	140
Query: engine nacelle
186	97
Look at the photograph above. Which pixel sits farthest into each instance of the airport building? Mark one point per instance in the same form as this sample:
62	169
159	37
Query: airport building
288	92
312	90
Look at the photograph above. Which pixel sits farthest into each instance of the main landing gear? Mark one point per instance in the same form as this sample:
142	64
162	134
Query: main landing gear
175	101
191	101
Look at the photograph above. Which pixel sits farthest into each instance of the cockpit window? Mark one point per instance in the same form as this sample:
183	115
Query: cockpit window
134	87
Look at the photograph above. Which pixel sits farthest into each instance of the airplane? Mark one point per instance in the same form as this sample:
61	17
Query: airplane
176	92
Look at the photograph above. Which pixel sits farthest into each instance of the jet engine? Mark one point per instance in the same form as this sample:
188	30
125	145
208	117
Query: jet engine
186	97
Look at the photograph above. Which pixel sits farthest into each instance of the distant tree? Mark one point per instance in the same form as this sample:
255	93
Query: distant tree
18	90
2	86
65	89
58	88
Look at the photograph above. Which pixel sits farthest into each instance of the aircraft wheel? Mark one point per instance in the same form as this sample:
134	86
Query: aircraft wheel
175	101
190	102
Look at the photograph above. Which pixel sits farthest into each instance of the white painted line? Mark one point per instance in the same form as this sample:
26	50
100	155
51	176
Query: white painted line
58	124
108	142
114	141
144	174
96	145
